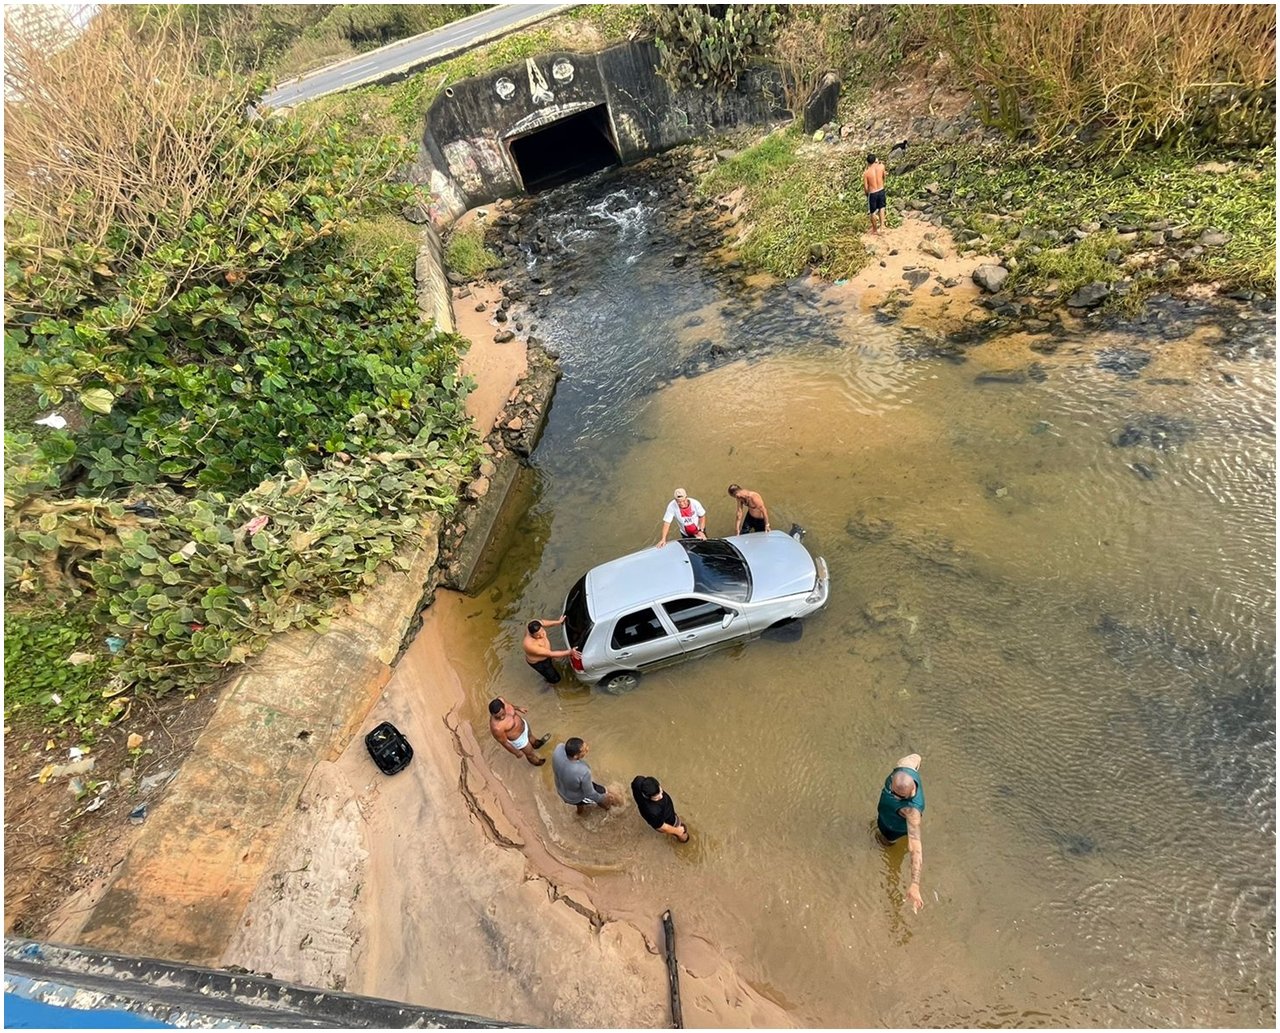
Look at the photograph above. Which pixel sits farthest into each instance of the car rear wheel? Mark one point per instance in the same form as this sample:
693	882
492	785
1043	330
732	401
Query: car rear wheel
620	681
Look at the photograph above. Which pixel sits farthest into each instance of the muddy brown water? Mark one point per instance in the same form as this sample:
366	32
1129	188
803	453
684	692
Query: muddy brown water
1061	592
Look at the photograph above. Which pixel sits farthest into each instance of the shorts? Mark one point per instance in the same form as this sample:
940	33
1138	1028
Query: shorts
886	835
593	803
547	669
688	534
521	740
875	201
750	523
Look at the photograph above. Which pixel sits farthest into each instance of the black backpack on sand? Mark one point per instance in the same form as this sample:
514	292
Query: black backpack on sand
389	748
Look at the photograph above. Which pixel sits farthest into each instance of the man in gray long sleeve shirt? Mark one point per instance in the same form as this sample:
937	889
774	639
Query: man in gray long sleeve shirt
573	777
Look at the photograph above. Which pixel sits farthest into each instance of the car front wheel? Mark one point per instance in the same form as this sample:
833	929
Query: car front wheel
789	630
620	681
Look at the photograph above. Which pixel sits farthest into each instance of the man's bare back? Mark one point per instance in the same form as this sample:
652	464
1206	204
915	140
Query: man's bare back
873	178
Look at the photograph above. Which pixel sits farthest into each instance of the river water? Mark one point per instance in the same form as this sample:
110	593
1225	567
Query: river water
1060	592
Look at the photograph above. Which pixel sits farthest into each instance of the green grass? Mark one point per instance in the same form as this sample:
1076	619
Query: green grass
794	204
388	239
1061	193
466	254
764	163
399	108
615	22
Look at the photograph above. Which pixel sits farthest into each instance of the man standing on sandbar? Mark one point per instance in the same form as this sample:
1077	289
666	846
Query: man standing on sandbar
507	724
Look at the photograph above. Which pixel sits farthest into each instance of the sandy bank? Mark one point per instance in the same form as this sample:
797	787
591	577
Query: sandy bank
430	887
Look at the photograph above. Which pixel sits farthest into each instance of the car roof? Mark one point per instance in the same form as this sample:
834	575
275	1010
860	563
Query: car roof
638	579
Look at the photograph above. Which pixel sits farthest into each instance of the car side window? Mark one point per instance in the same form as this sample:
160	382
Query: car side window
638	627
687	614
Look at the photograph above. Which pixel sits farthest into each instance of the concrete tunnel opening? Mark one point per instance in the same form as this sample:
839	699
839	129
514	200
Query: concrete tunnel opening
565	150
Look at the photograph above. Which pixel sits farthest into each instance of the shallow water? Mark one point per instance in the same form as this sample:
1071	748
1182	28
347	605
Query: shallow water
1078	636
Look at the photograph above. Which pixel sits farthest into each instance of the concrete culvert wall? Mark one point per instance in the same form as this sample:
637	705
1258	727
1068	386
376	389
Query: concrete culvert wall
560	116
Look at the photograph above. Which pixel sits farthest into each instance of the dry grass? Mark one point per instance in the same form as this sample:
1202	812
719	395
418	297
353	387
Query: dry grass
115	140
1136	73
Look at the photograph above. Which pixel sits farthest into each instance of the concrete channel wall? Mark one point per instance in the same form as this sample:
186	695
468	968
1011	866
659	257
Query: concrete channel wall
470	127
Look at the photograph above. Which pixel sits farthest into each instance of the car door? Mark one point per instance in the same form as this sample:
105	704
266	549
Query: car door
702	623
641	639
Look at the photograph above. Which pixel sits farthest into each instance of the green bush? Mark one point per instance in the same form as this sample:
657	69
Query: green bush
245	360
38	675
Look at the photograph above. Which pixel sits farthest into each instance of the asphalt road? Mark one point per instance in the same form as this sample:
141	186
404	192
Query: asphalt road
408	53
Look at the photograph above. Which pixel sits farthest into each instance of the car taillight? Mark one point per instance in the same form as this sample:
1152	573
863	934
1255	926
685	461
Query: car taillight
576	662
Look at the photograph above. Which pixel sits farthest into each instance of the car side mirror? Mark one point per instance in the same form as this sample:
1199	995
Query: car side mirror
728	619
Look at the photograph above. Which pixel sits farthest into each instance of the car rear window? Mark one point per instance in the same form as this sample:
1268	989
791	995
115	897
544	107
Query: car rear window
577	619
718	569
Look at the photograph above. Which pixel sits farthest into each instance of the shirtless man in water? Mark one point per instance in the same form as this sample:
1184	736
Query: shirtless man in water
508	725
752	514
538	653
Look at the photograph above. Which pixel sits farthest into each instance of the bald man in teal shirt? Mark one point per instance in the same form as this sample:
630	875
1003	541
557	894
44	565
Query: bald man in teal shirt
899	814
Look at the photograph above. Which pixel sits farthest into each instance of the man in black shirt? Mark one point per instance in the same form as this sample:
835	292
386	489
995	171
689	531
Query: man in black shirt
657	808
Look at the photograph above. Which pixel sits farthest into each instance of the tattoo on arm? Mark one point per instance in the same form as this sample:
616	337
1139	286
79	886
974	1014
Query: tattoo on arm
914	844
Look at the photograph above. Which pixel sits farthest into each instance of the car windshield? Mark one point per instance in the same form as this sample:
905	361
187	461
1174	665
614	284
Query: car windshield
577	619
718	569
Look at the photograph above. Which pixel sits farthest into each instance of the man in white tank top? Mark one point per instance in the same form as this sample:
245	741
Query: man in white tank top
687	514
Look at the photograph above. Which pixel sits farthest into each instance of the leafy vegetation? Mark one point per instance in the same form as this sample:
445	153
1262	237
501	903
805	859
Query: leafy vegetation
223	308
711	44
54	666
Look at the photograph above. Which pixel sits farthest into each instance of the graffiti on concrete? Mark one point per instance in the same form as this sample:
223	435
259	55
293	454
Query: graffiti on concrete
562	71
631	136
538	88
541	118
475	160
504	88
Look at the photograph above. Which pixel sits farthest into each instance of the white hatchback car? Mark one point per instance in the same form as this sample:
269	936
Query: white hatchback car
659	606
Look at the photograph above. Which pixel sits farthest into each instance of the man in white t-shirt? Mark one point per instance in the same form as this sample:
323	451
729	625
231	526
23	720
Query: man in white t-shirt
687	514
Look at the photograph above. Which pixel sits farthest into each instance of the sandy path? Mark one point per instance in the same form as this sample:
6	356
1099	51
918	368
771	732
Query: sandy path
496	368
